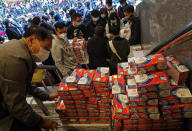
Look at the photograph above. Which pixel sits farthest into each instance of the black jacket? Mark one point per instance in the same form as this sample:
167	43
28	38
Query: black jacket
13	33
91	27
135	31
79	32
123	49
97	50
120	11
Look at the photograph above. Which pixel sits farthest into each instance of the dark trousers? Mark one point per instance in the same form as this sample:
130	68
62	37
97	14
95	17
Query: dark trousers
19	126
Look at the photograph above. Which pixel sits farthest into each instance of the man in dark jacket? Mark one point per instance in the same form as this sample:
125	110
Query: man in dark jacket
135	25
122	6
17	67
118	49
95	16
97	49
77	29
11	31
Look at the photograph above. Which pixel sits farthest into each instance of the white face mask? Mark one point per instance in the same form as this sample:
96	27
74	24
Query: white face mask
113	21
78	23
95	18
43	54
109	7
103	15
63	35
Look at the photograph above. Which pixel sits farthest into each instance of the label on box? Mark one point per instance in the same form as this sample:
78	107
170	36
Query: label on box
70	79
83	81
116	89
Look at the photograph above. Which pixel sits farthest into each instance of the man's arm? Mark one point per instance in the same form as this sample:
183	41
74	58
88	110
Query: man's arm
36	92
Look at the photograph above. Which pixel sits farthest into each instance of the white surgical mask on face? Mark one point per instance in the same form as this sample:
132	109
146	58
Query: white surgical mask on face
63	35
43	54
78	23
109	7
103	15
95	19
113	21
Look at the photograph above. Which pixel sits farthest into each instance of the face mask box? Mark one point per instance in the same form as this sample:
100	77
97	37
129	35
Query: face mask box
144	109
73	79
177	71
139	121
118	84
126	69
168	109
60	107
131	89
150	63
155	116
79	47
121	108
85	83
179	95
100	79
151	80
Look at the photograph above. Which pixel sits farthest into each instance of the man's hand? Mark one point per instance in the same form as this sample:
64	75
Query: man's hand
52	96
48	124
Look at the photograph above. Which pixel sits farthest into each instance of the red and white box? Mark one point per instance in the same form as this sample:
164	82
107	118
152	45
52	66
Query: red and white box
121	108
151	63
73	79
85	83
144	109
80	50
179	95
126	69
118	84
147	81
177	71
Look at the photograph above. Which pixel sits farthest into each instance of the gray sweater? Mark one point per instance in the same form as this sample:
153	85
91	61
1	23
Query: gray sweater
63	55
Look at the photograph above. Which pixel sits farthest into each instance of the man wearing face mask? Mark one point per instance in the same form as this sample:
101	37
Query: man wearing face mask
77	29
104	16
122	6
109	7
17	67
95	14
134	23
62	51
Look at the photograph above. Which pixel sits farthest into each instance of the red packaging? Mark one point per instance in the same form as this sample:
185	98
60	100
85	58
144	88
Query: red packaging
63	90
178	115
60	108
151	63
147	81
179	95
144	109
118	84
73	79
121	108
79	48
101	77
85	83
177	71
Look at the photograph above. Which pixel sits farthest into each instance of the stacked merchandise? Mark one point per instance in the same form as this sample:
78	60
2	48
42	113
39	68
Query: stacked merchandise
102	94
80	50
83	102
149	101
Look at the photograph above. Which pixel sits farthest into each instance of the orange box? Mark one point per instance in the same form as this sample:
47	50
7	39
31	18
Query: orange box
151	63
121	108
126	69
85	83
177	71
60	107
118	84
147	81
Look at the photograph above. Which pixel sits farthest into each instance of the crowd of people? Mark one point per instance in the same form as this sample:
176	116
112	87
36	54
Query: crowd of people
103	24
108	32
